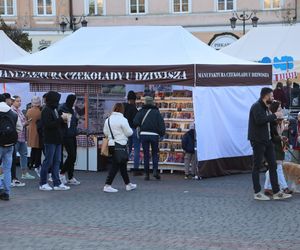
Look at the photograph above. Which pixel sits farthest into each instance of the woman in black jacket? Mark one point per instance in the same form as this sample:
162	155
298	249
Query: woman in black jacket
152	127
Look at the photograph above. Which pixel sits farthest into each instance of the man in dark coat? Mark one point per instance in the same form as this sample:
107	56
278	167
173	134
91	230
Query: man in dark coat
53	139
259	134
152	127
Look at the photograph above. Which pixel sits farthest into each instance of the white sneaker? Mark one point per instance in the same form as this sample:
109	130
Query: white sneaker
61	187
196	177
50	178
281	195
17	183
130	187
109	189
46	187
38	171
27	176
261	197
73	181
63	178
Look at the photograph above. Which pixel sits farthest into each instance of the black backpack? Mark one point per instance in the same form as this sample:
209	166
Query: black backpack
8	131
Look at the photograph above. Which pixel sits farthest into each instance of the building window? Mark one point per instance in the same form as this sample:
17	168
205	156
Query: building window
137	7
44	7
272	4
7	7
226	5
95	7
181	6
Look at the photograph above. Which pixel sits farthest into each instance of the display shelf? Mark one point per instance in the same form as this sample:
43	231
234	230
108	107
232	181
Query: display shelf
178	114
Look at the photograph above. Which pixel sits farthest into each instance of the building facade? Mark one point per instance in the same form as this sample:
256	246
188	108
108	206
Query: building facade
205	19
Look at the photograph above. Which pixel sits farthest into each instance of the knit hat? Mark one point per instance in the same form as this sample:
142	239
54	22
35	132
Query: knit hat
36	101
149	100
131	95
7	95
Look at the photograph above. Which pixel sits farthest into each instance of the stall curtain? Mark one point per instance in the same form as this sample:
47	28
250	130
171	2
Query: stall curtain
221	119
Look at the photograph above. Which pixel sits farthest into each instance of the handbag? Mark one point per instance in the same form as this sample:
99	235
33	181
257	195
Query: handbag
120	151
104	147
138	129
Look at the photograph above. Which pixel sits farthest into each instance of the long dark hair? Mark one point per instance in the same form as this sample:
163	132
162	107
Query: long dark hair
274	106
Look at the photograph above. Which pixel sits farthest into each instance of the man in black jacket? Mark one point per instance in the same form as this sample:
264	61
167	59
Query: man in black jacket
53	139
133	141
259	134
152	127
8	138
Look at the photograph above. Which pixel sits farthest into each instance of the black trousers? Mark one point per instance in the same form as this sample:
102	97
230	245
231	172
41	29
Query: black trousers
14	166
35	157
259	152
70	144
115	168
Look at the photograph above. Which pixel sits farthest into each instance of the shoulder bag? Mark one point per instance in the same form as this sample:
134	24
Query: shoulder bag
120	154
138	129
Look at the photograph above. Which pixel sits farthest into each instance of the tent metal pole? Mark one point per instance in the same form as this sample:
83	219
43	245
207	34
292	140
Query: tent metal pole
195	75
87	125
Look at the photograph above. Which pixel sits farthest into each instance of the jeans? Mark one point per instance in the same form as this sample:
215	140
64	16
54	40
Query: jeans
259	152
52	159
190	161
6	158
114	170
134	141
21	148
152	140
281	178
70	145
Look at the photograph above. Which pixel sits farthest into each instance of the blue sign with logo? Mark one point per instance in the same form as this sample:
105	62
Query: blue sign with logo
284	63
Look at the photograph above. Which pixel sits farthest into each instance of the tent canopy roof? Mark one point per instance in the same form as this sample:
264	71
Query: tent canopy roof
129	46
271	42
8	49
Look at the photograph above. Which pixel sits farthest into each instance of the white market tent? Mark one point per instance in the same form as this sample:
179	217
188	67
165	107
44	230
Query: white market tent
278	45
9	51
160	55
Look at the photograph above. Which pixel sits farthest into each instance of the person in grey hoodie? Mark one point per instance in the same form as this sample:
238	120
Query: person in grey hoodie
9	128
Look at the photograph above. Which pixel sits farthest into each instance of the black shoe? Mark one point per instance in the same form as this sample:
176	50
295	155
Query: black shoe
147	177
4	197
156	176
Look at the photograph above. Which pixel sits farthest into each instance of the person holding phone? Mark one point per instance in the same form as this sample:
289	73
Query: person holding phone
33	115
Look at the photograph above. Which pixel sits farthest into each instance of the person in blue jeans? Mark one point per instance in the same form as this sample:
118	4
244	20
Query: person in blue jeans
53	139
9	135
152	127
134	140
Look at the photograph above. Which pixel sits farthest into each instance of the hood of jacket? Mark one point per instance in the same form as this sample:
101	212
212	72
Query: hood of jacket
52	99
70	101
4	107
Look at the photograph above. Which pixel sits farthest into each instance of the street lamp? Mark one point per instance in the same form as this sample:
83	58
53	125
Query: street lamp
243	17
72	22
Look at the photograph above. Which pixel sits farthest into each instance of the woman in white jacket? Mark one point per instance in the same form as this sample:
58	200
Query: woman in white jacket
117	129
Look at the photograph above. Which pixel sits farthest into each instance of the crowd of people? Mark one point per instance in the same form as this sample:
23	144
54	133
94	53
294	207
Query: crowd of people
48	127
273	137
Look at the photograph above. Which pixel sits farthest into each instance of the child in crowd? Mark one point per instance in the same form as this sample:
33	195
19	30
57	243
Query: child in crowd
190	162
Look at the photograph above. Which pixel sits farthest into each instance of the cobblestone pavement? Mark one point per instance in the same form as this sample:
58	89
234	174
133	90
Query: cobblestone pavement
217	213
